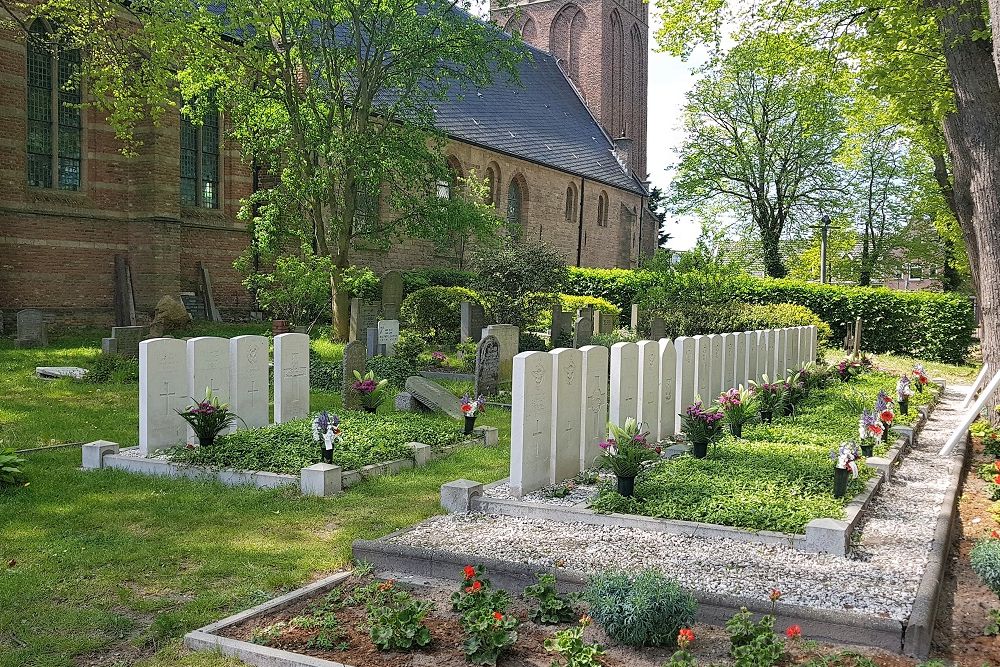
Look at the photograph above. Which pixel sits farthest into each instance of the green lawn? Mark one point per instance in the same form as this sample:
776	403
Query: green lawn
118	566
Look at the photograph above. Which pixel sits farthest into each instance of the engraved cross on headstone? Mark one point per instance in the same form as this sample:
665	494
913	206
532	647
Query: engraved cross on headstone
166	395
253	391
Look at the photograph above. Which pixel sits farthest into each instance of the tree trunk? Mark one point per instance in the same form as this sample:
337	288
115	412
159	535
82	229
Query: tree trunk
771	256
973	136
341	306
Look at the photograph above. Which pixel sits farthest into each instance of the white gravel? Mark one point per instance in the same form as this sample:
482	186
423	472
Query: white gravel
879	578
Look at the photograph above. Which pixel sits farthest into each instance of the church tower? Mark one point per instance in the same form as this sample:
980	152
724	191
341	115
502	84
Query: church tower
602	47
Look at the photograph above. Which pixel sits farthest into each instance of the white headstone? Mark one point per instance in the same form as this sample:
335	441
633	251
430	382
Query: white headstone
508	335
388	335
291	377
742	350
784	359
594	415
728	373
794	359
207	368
624	394
686	371
715	368
813	342
648	410
249	384
163	390
530	422
668	389
753	354
703	368
567	406
765	362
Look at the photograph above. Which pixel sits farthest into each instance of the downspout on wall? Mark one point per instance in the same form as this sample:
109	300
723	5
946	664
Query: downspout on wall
579	231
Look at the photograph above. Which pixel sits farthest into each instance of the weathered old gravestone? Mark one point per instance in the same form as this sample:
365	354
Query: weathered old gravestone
595	402
703	369
531	423
507	335
371	342
473	321
109	346
634	319
56	372
207	368
163	390
392	294
388	336
567	402
583	331
657	328
604	323
434	396
648	392
364	315
668	389
562	323
355	357
291	377
249	380
31	328
686	371
487	366
624	395
127	340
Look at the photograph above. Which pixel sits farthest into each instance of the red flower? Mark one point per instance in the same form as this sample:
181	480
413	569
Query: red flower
470	572
887	416
774	595
497	615
474	588
793	632
995	535
996	479
875	429
466	407
923	379
685	637
996	466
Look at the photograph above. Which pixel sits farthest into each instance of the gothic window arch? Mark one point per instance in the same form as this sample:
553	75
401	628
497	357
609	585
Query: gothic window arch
637	55
493	181
199	161
517	196
571	204
446	186
54	122
522	24
602	209
617	56
566	38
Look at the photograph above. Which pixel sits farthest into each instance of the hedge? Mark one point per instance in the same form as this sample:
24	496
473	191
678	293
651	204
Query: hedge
436	311
779	315
572	303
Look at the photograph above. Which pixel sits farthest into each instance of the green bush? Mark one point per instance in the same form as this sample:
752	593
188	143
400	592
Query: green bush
573	303
529	342
409	347
361	283
621	287
113	369
778	315
516	280
692	303
623	335
10	468
325	375
436	312
985	561
645	609
393	369
296	289
421	278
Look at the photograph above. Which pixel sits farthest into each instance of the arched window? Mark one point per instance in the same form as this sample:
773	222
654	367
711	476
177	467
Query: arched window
566	38
515	205
446	186
200	161
602	209
54	96
522	24
571	202
617	55
493	182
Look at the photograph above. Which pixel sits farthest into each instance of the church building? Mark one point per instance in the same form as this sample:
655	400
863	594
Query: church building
564	151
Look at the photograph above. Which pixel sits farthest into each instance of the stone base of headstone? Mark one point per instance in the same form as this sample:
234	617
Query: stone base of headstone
94	452
320	479
488	434
421	453
456	497
109	346
827	536
407	402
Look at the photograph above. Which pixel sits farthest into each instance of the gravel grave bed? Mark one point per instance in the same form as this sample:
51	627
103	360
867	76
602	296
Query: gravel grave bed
884	568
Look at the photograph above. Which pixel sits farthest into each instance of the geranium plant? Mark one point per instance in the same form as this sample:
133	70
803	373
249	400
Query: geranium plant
921	377
569	645
369	390
326	430
739	406
208	417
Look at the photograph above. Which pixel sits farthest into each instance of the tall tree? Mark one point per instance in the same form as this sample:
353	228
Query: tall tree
762	130
656	205
333	97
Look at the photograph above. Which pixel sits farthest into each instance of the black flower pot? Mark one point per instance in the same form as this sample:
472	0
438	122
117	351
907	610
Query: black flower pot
699	449
470	423
920	387
370	410
786	410
885	432
841	476
206	441
626	485
904	406
736	430
327	455
867	450
766	416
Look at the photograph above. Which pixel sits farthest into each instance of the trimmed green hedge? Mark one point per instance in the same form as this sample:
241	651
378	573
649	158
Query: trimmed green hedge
436	312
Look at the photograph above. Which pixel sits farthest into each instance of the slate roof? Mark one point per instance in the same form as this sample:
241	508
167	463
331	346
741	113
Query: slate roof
540	118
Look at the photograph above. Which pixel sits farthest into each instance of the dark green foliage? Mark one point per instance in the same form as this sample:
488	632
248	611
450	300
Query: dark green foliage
985	561
113	369
435	312
753	643
693	303
325	375
396	620
621	287
11	465
529	342
645	609
488	634
779	315
393	369
421	278
550	606
409	347
361	283
516	280
289	447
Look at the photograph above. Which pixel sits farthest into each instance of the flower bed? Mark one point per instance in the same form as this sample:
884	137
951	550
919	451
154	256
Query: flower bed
778	477
287	448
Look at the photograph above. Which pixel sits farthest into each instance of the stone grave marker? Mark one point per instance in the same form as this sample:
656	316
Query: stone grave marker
648	386
371	342
31	328
291	377
561	323
434	396
473	321
109	346
752	344
813	342
583	331
794	360
715	371
703	369
742	345
364	315
487	366
604	323
388	336
128	340
207	368
507	335
634	319
685	374
765	355
249	380
657	328
728	370
567	404
624	395
392	294
782	360
163	391
594	417
56	372
668	389
355	357
531	423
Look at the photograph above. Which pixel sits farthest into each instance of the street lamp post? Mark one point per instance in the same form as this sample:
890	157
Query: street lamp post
825	232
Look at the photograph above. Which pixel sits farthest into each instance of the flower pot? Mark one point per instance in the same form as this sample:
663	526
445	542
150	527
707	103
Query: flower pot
786	410
841	476
279	327
327	455
736	430
206	442
626	486
766	416
699	450
867	449
920	387
885	432
904	406
369	409
470	423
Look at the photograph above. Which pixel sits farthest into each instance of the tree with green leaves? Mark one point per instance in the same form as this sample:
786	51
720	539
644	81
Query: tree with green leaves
656	203
334	99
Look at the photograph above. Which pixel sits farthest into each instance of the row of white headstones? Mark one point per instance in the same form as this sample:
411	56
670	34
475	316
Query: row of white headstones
174	374
563	399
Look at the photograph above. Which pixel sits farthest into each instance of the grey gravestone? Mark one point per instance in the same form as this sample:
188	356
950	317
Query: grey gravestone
364	315
355	357
561	323
388	335
392	294
127	340
371	338
109	346
31	329
657	328
604	323
405	402
434	396
634	321
55	372
487	366
583	331
473	321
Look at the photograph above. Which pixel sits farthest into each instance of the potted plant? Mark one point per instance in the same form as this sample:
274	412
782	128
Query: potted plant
624	452
438	359
870	430
845	461
326	430
738	405
768	397
371	392
701	426
471	408
883	408
903	393
921	378
208	418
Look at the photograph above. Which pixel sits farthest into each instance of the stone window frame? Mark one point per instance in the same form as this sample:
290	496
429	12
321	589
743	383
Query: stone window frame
571	202
602	209
519	185
198	151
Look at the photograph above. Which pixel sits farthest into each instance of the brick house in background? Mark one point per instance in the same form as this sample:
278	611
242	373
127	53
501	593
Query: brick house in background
564	152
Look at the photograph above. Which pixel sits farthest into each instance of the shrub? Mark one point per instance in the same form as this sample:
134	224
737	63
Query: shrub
409	347
623	335
393	369
550	606
985	560
325	375
753	643
621	287
360	283
530	342
573	303
778	315
645	609
113	369
690	304
11	473
296	289
436	312
421	278
515	280
397	619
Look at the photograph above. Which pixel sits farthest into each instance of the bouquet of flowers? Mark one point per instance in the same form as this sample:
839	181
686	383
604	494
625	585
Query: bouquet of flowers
326	429
438	358
768	396
626	449
846	457
701	425
472	407
921	377
903	389
208	417
372	392
738	406
870	430
883	406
